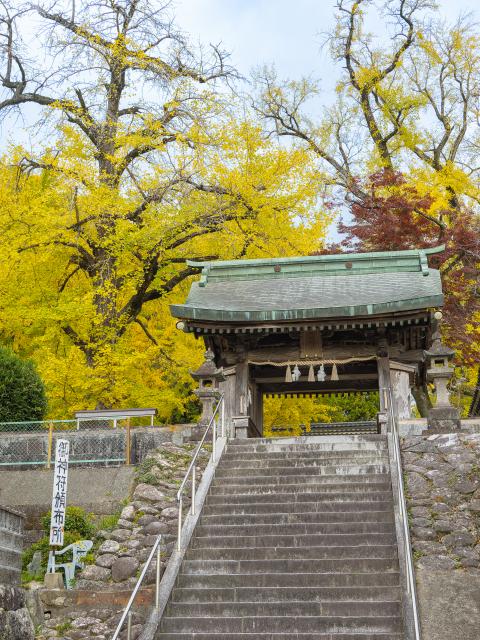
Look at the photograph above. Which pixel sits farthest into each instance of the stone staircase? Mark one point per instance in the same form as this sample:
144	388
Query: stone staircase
296	541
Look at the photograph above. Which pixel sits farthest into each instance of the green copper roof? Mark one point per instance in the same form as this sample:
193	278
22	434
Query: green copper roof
305	288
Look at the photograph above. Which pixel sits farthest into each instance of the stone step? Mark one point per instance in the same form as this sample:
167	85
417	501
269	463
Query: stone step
325	475
239	461
349	565
318	624
319	497
280	636
308	440
295	580
301	541
11	558
292	553
299	489
304	451
302	467
322	446
375	450
286	508
284	594
271	531
296	541
283	609
320	517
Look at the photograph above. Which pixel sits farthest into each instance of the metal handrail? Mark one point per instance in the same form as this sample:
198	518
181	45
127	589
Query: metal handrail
127	613
409	568
192	468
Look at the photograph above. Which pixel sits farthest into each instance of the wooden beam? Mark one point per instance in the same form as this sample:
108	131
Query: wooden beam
328	387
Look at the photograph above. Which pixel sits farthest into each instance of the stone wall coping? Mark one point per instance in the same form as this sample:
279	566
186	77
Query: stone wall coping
13	511
82	598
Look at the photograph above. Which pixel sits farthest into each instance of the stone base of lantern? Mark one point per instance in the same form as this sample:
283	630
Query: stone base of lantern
244	427
443	419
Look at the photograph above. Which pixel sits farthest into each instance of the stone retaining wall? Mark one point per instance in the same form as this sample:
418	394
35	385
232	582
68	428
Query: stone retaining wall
11	543
15	621
443	487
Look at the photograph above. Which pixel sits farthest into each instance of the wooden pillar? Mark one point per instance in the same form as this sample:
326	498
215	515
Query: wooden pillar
383	366
259	409
402	377
384	383
227	387
256	408
241	388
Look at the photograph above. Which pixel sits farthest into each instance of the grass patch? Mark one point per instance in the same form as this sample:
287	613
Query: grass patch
64	626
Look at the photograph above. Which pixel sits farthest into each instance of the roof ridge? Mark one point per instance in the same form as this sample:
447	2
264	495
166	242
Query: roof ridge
315	259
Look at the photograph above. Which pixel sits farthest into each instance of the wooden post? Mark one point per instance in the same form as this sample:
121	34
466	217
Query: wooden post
50	443
241	388
227	387
384	382
127	443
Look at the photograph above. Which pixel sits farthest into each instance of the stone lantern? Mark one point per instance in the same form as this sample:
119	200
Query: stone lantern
208	392
443	416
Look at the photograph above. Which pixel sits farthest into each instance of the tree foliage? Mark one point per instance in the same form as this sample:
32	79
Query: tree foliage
22	393
150	162
398	149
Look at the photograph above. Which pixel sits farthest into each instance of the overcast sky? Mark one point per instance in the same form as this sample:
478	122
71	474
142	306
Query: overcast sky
283	32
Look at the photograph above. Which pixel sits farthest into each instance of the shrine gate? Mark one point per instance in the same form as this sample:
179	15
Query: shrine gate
314	325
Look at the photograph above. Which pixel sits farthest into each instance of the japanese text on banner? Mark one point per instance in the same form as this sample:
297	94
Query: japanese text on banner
59	496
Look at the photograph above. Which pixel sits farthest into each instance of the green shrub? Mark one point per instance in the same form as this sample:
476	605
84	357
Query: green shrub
77	520
78	526
22	392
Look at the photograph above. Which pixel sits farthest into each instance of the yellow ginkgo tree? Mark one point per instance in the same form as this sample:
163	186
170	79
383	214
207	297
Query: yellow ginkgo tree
145	163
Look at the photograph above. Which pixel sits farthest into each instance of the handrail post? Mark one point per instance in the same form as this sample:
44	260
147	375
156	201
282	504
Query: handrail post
129	626
218	414
179	534
214	439
409	567
223	416
127	613
193	490
157	579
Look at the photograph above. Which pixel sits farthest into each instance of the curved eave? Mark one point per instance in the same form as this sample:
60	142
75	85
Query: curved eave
186	312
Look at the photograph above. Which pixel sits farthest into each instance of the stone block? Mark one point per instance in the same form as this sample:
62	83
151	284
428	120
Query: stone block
53	581
124	568
443	419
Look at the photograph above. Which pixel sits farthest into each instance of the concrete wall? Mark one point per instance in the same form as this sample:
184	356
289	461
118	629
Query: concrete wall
11	543
98	490
449	604
418	426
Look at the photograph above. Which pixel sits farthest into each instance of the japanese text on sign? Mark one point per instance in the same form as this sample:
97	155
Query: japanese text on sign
59	496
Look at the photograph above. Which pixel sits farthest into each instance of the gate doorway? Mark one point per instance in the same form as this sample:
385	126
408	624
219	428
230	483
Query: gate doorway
342	414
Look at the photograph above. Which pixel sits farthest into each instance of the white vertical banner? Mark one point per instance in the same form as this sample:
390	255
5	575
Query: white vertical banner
59	496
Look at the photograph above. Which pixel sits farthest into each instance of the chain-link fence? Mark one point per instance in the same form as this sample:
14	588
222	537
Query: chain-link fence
92	441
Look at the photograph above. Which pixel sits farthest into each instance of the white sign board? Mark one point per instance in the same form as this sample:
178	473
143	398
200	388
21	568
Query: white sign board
59	496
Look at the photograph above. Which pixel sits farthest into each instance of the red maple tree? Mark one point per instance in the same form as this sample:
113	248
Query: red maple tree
388	213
